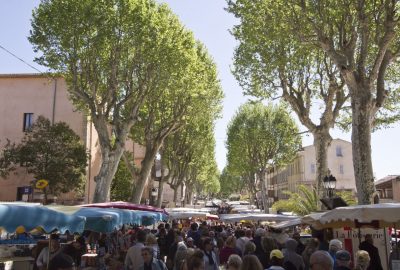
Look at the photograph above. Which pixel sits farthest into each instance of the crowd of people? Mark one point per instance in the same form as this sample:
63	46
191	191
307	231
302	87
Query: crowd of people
205	247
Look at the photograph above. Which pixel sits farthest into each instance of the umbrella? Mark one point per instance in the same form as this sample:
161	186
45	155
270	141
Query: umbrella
126	205
30	217
373	215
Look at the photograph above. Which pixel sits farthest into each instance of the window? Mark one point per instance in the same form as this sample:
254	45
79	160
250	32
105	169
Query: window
339	151
28	121
312	168
341	169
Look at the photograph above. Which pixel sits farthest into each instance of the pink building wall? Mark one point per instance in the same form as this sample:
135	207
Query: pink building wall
37	94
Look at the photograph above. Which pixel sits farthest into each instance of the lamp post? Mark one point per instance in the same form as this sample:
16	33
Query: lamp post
329	185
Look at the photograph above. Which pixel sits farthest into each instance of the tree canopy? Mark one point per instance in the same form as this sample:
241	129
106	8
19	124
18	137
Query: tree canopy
360	38
113	54
259	137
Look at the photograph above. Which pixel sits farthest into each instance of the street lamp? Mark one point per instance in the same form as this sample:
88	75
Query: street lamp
329	184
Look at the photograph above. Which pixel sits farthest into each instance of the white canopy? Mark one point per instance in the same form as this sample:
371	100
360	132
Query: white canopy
288	223
384	215
255	217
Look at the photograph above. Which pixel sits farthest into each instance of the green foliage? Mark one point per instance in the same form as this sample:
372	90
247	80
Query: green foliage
121	187
347	196
260	136
7	159
302	202
54	153
230	183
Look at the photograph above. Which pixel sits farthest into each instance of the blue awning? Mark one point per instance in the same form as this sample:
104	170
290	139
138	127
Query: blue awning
30	217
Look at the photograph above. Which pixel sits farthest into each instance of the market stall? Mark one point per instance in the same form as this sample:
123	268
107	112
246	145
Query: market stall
19	220
352	223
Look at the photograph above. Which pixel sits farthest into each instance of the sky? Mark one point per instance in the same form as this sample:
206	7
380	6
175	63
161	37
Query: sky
210	24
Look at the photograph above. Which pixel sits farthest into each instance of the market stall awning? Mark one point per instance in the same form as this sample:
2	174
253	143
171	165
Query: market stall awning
255	217
109	219
31	217
287	224
187	214
373	215
126	205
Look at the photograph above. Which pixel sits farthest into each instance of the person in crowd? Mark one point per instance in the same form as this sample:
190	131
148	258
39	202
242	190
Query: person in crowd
268	244
61	261
311	247
172	250
76	249
49	252
149	262
101	253
162	243
249	248
394	255
228	250
321	260
211	234
300	246
210	258
134	257
368	246
241	240
234	262
194	233
334	246
251	262
276	260
151	241
343	260
257	240
281	236
362	260
180	256
290	255
190	242
249	234
195	261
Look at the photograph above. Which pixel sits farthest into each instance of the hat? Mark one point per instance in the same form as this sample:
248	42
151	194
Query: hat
335	243
342	255
189	239
276	253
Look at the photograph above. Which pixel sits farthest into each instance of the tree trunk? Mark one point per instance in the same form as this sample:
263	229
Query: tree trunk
109	166
264	196
145	170
361	144
322	141
160	193
175	194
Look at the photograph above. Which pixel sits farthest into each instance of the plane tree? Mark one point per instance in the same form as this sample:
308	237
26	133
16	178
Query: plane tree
260	137
113	55
360	38
195	90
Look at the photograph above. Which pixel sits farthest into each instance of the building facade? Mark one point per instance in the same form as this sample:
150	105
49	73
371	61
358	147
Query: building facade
302	171
388	188
24	97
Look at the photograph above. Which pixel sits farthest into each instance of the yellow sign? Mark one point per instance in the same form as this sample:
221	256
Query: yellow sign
41	184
